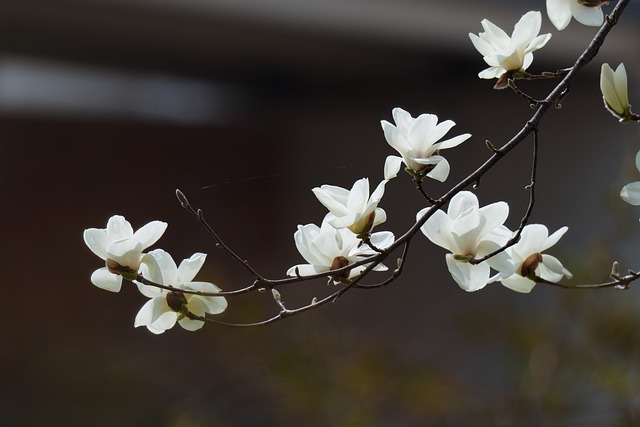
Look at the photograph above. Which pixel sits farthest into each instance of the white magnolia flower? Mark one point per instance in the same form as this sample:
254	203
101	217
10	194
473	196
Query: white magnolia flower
614	91
121	249
586	12
165	307
327	248
353	209
469	231
531	263
506	55
418	142
631	192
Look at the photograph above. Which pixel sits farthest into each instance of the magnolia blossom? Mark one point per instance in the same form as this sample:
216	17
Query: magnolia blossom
327	248
121	249
586	12
531	263
353	209
165	307
631	192
613	85
418	142
469	231
506	55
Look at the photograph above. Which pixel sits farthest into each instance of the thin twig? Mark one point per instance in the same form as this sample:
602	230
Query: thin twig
525	218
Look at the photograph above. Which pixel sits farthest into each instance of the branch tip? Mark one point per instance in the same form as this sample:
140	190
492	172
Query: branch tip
182	199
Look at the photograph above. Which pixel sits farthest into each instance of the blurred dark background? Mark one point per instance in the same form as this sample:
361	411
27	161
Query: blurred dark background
108	106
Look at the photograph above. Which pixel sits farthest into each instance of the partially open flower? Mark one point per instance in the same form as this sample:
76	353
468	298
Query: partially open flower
418	142
327	248
353	209
613	85
531	263
506	55
121	249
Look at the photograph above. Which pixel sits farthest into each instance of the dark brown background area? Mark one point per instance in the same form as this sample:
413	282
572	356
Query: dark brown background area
310	95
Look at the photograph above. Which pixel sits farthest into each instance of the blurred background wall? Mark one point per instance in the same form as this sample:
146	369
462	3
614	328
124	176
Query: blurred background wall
108	106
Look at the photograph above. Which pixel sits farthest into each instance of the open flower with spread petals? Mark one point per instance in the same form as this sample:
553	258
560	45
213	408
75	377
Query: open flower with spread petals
354	209
531	263
506	55
418	142
631	192
613	85
469	231
166	308
121	249
327	248
586	12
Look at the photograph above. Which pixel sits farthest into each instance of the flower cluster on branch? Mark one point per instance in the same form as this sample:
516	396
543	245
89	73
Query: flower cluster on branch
344	249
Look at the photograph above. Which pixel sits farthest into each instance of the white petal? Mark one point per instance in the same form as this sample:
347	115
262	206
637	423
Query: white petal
333	198
126	252
453	142
167	266
150	291
382	239
438	229
307	269
532	239
620	83
190	267
554	238
518	283
559	13
608	89
495	35
461	203
526	29
97	240
468	276
391	167
482	46
150	233
419	134
358	196
118	228
551	269
156	315
631	193
402	118
591	16
441	171
103	279
150	269
495	215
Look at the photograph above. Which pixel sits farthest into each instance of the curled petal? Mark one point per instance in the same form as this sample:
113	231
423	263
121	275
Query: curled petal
103	279
441	171
518	283
469	277
392	167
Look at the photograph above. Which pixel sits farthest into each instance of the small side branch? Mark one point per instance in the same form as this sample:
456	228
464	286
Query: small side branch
532	200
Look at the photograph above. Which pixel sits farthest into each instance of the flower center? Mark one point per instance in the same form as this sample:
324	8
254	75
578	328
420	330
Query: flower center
529	266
